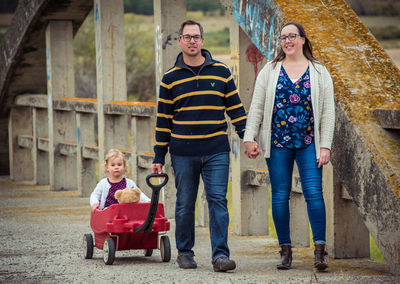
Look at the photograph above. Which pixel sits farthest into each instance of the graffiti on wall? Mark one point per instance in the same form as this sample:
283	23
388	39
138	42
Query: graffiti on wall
254	56
167	41
261	20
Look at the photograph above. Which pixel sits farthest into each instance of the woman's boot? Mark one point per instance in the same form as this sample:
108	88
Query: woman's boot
286	257
320	261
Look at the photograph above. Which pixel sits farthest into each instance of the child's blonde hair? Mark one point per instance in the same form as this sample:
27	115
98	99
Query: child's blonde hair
112	154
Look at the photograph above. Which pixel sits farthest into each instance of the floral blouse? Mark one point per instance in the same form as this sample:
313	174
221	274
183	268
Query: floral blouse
292	118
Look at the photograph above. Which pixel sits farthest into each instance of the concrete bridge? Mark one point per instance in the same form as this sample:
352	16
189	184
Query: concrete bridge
48	135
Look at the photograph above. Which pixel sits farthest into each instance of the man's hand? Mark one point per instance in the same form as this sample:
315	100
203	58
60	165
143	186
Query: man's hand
156	168
252	150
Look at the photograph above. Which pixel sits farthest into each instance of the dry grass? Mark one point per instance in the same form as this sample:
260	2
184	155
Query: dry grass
210	23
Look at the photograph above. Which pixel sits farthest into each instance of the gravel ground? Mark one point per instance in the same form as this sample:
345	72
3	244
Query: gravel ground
42	231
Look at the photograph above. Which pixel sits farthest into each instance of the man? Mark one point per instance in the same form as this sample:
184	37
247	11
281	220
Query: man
194	95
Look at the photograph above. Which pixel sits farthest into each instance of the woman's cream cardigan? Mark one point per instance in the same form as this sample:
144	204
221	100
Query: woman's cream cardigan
258	127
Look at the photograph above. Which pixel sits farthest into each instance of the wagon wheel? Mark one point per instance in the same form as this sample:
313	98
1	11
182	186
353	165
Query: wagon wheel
148	252
109	251
165	249
88	246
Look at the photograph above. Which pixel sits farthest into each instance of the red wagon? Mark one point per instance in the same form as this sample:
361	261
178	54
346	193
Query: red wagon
131	226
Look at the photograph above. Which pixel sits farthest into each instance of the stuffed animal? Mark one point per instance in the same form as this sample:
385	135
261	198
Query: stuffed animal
128	195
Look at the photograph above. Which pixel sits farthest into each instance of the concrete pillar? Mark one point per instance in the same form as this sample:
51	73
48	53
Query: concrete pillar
60	83
4	149
168	15
170	190
111	74
86	168
141	144
34	149
250	203
40	130
299	224
20	122
203	216
346	236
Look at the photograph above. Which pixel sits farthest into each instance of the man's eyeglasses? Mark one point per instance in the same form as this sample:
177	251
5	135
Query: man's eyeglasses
291	37
188	38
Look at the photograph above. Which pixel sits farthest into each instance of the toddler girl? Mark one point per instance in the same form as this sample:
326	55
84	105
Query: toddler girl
114	166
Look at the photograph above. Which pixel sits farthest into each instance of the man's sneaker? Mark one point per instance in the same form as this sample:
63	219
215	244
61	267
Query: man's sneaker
186	261
223	263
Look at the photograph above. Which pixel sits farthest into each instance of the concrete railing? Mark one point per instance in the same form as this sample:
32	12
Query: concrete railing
29	149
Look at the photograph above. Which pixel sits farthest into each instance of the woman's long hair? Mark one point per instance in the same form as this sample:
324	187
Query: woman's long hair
307	47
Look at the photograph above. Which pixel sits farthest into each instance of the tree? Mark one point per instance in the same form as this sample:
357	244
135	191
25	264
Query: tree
143	7
204	5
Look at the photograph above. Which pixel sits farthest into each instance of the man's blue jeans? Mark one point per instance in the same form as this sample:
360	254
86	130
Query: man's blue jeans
280	167
214	170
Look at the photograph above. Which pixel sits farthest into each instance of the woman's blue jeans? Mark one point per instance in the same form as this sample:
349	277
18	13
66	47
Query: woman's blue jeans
280	167
214	170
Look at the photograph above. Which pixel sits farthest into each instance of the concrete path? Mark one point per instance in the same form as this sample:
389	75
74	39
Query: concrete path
41	242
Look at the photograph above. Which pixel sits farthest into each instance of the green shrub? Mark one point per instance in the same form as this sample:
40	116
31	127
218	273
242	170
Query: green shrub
143	7
140	58
85	59
206	6
217	42
140	63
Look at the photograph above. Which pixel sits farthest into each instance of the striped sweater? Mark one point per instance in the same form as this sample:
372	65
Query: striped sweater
191	110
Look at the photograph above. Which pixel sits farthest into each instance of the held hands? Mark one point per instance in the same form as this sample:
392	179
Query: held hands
156	168
252	150
324	157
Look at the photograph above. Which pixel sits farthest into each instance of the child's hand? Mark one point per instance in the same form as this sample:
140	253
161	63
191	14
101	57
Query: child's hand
95	206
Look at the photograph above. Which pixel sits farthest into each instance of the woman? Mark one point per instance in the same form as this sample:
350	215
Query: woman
292	119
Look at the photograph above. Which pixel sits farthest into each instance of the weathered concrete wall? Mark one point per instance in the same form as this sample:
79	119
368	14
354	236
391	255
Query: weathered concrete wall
22	51
365	157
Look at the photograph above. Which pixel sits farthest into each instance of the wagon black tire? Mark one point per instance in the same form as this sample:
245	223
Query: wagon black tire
88	246
148	252
109	251
165	249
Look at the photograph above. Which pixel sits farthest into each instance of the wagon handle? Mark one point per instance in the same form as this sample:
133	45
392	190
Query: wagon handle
147	225
155	175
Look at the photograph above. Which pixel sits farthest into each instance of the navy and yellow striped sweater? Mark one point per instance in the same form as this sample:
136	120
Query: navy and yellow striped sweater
191	110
